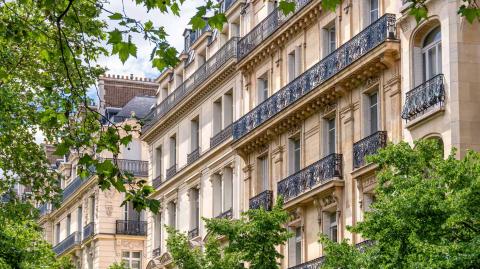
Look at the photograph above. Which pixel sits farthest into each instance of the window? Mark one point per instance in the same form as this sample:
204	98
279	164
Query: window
295	247
158	162
173	150
92	209
195	133
227	188
79	218
217	194
157	233
132	259
228	109
432	54
195	208
331	136
57	233
330	41
332	235
373	12
172	214
291	66
263	172
295	155
217	116
373	112
129	213
262	88
368	200
69	223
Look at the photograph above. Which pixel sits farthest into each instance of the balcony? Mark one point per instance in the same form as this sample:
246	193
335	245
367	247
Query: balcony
193	156
156	252
368	146
73	187
88	230
262	200
311	177
424	98
68	243
136	167
156	182
131	227
225	215
368	39
193	233
45	209
266	28
313	264
362	246
213	64
221	136
172	171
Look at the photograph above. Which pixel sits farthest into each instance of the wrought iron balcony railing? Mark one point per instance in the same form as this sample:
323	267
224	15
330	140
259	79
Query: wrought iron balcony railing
265	28
88	230
262	200
156	182
45	209
421	98
214	63
156	252
193	233
221	136
68	243
362	246
131	227
372	36
136	167
313	264
225	215
172	171
193	156
368	146
73	187
310	177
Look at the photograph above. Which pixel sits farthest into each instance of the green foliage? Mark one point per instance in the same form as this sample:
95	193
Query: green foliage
251	239
21	242
469	9
118	265
426	213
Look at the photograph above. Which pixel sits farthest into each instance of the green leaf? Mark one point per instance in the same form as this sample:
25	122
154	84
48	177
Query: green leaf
286	7
148	25
116	16
114	37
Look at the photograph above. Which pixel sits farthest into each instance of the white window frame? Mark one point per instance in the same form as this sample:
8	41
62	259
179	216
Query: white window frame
435	46
130	259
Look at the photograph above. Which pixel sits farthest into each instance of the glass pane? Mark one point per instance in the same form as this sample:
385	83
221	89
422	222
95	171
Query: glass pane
136	255
297	155
439	58
135	265
373	113
331	136
126	254
431	63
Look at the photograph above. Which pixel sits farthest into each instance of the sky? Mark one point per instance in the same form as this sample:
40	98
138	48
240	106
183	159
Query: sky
174	27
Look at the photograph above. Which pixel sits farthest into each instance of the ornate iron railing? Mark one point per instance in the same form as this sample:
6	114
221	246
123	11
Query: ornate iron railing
193	156
172	171
73	187
362	246
131	227
45	209
310	177
193	233
262	200
156	252
136	167
68	243
423	97
372	36
265	28
156	182
221	137
313	264
88	230
214	63
225	215
368	146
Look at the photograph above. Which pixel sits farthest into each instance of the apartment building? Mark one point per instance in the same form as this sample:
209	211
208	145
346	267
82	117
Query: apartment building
275	105
90	225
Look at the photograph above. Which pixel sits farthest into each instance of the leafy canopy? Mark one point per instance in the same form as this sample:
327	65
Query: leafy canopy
252	239
426	213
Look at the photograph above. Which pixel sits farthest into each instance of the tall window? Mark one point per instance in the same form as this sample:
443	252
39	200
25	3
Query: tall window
92	209
295	155
262	88
330	41
373	112
331	136
227	188
173	150
228	109
195	208
132	259
263	172
291	66
217	116
172	214
333	226
158	161
195	133
57	233
432	54
129	213
157	233
79	218
69	223
373	12
295	247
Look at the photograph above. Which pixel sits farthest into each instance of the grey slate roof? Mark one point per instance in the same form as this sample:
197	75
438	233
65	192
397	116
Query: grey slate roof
139	106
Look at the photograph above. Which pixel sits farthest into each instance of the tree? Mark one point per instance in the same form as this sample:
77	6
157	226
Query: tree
426	213
48	50
252	239
21	241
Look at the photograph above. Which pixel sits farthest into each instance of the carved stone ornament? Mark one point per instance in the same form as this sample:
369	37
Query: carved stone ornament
109	210
328	200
